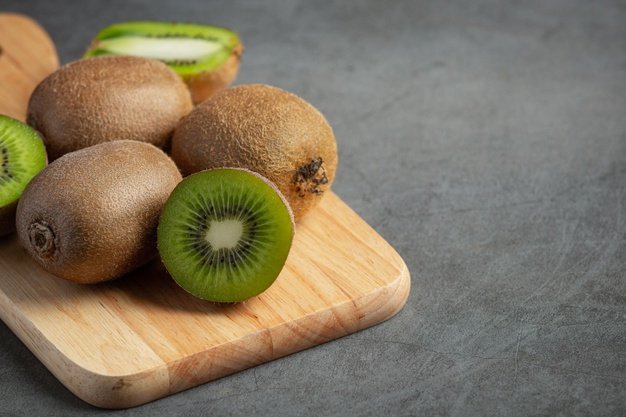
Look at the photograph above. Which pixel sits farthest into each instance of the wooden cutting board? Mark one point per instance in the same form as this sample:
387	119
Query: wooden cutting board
139	338
27	56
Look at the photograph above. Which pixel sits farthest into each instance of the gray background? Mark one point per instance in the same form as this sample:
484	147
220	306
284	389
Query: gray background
486	141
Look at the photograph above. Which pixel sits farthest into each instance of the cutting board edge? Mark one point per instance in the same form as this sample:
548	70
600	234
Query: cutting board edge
371	309
123	391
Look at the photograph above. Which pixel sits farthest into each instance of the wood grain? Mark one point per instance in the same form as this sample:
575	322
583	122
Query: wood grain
141	337
130	341
27	56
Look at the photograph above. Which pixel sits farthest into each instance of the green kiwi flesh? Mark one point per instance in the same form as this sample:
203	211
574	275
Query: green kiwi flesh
189	49
22	155
224	234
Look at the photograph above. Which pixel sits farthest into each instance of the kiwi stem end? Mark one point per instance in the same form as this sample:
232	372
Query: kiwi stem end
42	239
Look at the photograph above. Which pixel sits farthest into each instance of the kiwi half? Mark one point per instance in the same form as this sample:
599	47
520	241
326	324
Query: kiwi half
224	234
23	155
207	57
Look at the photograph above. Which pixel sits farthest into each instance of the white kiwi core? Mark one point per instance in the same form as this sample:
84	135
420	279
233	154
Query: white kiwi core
224	234
168	49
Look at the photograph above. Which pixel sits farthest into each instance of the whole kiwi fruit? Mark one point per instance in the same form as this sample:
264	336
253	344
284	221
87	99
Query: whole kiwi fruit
92	215
266	130
108	98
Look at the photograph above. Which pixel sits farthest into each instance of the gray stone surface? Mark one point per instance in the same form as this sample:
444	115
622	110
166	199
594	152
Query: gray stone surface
487	142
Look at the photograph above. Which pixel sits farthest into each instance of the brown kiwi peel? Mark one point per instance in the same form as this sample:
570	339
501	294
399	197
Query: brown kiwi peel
91	215
207	84
266	130
108	98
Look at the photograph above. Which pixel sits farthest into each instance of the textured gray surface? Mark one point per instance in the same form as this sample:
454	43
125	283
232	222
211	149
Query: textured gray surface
487	142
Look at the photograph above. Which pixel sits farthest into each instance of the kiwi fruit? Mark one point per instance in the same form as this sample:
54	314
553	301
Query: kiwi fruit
224	234
22	155
264	129
92	215
97	100
206	57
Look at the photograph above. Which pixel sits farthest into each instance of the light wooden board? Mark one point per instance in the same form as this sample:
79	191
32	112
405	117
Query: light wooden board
139	338
27	56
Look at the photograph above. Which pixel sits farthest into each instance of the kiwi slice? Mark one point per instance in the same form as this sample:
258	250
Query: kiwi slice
23	155
207	57
224	234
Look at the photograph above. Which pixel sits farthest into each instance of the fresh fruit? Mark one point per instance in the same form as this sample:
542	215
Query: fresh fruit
225	234
108	98
207	57
264	129
92	215
23	155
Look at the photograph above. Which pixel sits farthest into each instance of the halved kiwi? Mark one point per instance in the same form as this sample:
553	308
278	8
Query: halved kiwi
224	234
22	155
207	57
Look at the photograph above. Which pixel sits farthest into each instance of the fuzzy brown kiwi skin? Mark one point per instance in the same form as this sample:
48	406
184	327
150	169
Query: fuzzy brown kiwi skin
92	215
108	98
266	130
208	83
